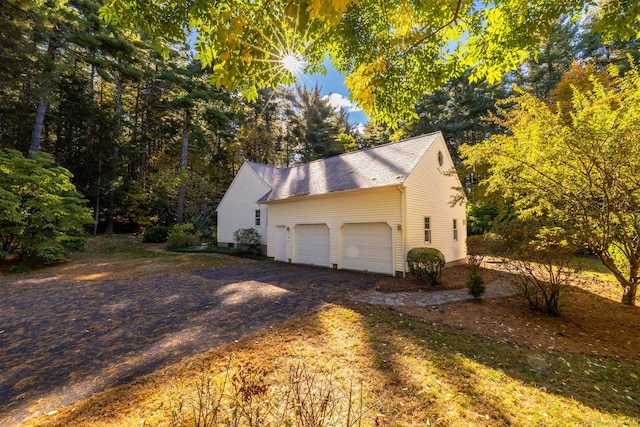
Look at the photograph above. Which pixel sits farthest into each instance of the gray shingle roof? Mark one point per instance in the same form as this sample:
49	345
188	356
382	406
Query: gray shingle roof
269	174
388	164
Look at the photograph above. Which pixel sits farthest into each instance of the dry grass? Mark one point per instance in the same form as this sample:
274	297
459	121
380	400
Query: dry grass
124	257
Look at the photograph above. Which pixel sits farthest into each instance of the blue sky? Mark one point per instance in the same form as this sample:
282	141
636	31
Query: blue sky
332	85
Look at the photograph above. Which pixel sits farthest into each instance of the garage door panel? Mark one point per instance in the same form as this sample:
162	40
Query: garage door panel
367	247
312	244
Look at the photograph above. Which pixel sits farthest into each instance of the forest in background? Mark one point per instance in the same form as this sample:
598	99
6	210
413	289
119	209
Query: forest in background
150	142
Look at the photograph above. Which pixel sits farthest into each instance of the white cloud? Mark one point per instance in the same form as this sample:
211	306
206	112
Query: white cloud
359	128
337	100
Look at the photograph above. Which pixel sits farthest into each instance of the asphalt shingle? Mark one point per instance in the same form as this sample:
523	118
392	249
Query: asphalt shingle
381	166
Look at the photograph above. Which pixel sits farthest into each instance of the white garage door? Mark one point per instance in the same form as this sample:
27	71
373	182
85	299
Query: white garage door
312	244
367	247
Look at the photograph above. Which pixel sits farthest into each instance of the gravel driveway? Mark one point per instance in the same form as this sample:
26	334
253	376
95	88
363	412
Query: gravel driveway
61	341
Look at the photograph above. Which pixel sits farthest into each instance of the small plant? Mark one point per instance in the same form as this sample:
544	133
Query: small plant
158	234
478	247
474	282
203	408
182	236
539	276
481	246
247	240
426	264
295	394
541	267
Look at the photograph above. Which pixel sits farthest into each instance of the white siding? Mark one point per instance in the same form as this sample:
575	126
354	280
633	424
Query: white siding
429	194
238	207
378	205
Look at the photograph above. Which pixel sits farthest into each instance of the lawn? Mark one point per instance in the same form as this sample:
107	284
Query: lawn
124	257
489	363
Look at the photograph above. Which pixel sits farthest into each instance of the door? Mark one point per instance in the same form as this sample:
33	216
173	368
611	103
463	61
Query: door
367	247
312	244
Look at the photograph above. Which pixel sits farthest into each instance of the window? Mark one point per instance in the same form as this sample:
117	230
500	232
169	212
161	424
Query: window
257	216
440	158
427	229
455	229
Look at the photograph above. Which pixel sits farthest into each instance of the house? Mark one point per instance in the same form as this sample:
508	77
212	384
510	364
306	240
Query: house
362	210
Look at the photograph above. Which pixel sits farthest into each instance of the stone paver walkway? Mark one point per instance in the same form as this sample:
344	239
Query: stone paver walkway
496	289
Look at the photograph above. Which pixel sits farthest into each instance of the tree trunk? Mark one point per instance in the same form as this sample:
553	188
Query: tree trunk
36	134
629	287
144	138
183	167
630	291
116	152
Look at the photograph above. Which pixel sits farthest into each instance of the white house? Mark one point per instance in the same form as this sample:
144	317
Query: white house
361	211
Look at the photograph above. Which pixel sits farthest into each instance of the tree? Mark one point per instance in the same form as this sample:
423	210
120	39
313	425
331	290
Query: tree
540	73
392	52
580	173
461	110
40	210
320	129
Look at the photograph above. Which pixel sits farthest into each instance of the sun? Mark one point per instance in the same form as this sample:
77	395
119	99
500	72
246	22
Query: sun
291	62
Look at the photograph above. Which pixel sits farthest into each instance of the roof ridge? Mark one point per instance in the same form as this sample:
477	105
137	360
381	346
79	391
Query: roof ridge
379	166
264	164
424	135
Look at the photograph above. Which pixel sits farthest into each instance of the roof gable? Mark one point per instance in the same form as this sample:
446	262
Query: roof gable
261	177
269	174
381	166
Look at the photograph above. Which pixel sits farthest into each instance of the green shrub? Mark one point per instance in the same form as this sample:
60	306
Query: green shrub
182	236
157	234
40	208
426	264
474	282
247	240
73	243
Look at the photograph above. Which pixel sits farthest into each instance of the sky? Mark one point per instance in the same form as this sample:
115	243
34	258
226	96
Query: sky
332	85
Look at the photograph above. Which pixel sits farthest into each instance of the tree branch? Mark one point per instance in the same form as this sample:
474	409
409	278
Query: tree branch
453	20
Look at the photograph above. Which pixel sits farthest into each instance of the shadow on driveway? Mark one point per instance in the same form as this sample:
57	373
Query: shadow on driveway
61	341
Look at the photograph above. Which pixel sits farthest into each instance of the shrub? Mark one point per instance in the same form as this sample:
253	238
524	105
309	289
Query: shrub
158	234
247	240
291	394
538	276
540	267
40	209
481	246
202	217
426	264
182	236
474	282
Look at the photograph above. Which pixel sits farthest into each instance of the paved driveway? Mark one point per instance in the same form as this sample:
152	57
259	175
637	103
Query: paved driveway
62	341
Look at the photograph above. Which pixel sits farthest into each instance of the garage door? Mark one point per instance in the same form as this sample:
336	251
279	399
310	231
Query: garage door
367	247
312	244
